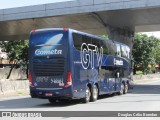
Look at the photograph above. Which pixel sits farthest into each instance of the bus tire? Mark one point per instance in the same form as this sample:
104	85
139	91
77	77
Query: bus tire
52	100
121	92
87	97
125	88
94	94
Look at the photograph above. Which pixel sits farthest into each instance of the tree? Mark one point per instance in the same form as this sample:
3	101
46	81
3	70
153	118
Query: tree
156	52
17	52
145	51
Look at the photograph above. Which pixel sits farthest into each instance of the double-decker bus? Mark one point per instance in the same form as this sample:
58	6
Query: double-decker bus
68	64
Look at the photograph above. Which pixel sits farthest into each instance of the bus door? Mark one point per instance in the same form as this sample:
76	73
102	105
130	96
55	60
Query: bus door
111	79
103	79
110	75
78	74
118	63
117	78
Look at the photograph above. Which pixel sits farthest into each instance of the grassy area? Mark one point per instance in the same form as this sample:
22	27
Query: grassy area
139	73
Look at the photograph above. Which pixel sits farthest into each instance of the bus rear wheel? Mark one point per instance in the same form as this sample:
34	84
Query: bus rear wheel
125	88
86	99
121	92
94	94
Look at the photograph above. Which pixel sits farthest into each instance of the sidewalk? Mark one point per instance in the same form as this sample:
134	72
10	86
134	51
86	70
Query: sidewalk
147	81
15	94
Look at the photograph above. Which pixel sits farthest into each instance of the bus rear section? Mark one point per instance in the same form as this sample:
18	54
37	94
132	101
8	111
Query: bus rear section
49	67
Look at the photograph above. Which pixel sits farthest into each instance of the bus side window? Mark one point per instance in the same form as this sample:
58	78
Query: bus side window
118	53
123	51
86	39
103	44
112	48
128	52
95	42
77	40
106	71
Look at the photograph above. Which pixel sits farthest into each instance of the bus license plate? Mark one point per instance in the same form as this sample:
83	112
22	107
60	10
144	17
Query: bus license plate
48	94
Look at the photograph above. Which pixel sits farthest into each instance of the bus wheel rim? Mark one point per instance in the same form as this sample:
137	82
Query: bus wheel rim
122	88
87	94
95	92
126	88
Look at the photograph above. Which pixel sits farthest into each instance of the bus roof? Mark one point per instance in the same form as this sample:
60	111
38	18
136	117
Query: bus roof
76	31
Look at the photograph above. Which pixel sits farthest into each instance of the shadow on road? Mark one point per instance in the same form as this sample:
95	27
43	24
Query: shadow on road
24	103
60	104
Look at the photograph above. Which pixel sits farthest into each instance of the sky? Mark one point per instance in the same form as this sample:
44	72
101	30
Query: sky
19	3
156	34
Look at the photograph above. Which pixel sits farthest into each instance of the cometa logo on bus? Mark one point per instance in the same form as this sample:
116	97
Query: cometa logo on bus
48	52
118	62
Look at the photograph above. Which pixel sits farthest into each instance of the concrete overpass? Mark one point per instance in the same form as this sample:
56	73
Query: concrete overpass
118	18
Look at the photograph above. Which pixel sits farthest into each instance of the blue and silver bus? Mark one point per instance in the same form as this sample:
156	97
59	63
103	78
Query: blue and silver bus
68	64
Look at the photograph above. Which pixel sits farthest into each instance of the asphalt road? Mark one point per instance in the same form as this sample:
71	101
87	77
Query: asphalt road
144	97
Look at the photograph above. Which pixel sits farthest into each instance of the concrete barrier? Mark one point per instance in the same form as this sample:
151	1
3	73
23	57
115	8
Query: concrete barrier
8	86
15	82
15	74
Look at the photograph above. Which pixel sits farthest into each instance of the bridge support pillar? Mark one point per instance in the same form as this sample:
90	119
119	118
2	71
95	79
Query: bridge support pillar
124	35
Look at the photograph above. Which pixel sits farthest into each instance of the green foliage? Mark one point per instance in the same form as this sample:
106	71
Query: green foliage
156	52
17	51
104	36
146	51
139	73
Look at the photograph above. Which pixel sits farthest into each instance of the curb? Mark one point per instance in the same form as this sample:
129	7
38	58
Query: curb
146	81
